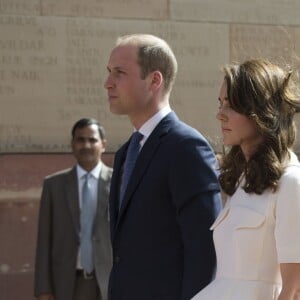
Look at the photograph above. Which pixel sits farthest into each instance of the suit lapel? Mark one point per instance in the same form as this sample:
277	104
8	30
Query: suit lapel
145	157
115	187
73	199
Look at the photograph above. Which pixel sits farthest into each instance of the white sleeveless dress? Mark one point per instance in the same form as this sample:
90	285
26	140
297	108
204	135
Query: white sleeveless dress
253	235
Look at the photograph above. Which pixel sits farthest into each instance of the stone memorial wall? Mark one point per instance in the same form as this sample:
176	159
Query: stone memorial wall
53	70
53	57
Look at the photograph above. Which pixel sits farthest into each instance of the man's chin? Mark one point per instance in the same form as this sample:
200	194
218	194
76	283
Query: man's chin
116	111
88	165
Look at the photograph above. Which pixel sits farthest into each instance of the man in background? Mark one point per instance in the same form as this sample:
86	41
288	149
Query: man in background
164	193
73	255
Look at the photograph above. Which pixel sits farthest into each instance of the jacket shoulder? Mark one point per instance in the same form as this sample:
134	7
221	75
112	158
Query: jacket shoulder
106	171
182	131
59	174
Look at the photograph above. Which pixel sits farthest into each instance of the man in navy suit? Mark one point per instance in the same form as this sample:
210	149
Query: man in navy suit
162	245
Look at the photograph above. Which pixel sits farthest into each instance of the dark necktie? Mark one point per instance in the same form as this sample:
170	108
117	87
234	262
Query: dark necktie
88	210
131	156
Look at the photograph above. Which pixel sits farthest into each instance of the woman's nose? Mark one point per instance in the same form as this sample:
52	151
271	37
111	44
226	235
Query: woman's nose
220	115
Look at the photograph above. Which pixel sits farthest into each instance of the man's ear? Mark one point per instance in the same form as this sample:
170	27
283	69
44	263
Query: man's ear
104	143
156	80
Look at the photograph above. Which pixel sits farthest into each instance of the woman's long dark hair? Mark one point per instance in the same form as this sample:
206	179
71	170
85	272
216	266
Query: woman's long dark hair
266	94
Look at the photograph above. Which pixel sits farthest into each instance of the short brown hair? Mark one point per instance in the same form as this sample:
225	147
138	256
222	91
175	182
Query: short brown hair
154	54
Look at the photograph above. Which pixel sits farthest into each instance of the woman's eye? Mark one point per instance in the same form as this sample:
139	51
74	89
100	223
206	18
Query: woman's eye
224	105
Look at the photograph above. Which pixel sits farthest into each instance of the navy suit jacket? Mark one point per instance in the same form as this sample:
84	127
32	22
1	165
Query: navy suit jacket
162	245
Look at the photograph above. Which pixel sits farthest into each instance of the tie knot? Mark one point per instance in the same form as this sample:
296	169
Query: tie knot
136	137
86	176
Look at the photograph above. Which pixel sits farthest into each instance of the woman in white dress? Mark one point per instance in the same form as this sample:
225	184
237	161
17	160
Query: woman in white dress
257	235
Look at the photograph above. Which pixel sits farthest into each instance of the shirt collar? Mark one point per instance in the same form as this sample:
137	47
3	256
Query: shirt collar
95	172
150	124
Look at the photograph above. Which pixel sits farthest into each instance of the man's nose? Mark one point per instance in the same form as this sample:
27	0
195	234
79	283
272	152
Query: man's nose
86	144
108	82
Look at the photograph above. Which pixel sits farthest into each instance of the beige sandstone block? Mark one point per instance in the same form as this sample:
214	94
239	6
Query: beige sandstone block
31	72
140	9
272	42
52	72
20	7
237	11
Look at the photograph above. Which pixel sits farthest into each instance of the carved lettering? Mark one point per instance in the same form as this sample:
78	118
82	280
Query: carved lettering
17	20
84	90
21	45
56	68
43	60
10	60
47	31
83	60
24	75
80	9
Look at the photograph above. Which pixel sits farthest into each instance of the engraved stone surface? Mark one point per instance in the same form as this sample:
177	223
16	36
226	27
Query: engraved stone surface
140	9
31	69
251	41
52	72
237	11
200	49
20	7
